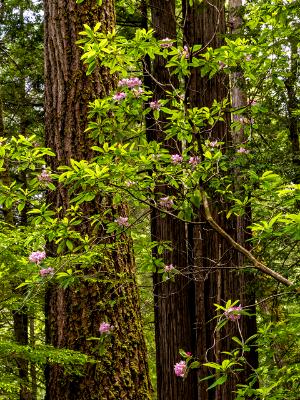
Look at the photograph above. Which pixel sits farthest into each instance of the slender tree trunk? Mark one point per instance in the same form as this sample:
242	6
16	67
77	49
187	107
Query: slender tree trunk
20	317
174	307
32	365
243	234
214	261
74	314
292	106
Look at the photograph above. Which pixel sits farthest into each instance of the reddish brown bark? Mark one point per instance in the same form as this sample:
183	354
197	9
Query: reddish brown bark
174	306
213	259
74	314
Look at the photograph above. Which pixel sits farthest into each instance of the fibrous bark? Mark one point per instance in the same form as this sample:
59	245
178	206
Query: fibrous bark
174	310
74	314
213	259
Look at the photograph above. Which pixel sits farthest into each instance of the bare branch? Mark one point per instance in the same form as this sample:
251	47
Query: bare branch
257	264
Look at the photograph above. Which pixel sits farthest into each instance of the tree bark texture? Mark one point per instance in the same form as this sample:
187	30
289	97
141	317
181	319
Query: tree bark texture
173	300
213	260
74	314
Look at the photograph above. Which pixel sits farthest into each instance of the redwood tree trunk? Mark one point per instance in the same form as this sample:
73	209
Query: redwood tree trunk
174	306
74	314
214	261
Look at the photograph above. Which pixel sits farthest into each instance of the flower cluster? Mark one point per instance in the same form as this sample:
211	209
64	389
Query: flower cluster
37	256
130	82
166	42
44	176
180	369
122	221
194	161
233	313
169	268
242	150
105	328
166	202
46	271
155	105
119	96
176	158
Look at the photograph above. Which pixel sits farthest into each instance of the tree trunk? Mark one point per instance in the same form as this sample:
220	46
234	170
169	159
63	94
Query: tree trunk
74	314
292	107
214	261
174	307
33	374
20	317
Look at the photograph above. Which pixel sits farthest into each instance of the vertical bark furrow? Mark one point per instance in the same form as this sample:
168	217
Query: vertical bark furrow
219	281
75	314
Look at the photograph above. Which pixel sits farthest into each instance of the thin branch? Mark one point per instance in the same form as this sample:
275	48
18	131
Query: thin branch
257	264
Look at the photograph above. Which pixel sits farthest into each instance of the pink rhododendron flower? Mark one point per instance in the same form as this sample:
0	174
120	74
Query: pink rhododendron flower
180	368
166	42
194	161
188	353
46	271
37	256
105	328
122	221
119	96
176	158
155	105
130	82
169	268
232	313
185	52
214	143
166	202
242	150
44	176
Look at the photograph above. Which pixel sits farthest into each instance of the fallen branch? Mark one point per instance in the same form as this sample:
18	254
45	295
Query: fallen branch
257	264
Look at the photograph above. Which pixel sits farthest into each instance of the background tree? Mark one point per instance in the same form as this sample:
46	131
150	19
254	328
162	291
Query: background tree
173	301
20	85
215	263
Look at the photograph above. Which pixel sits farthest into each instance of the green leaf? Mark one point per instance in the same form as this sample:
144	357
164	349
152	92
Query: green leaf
218	382
213	365
194	364
69	245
